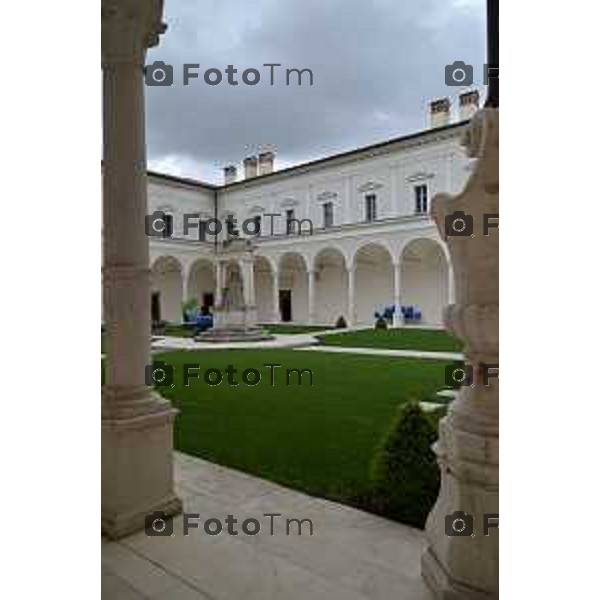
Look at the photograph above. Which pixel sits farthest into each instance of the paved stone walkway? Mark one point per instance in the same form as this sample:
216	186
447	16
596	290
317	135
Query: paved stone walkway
351	555
280	341
387	352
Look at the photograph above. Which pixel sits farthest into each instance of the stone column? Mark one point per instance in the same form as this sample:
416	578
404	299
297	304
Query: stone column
397	320
185	273
465	567
248	275
276	310
311	296
137	474
249	290
351	288
219	283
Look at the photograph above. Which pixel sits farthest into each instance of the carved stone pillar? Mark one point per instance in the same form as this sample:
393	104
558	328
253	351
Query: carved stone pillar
137	476
465	567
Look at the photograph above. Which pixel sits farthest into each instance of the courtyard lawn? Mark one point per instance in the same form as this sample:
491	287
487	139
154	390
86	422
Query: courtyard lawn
404	338
318	439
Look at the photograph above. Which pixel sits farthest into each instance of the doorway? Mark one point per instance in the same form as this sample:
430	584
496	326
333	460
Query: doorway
155	307
285	305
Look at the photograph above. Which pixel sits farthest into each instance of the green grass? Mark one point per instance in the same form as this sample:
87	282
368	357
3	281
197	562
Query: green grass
396	339
318	439
179	330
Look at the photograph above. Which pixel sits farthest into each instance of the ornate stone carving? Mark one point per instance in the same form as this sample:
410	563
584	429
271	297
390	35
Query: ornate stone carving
129	27
458	567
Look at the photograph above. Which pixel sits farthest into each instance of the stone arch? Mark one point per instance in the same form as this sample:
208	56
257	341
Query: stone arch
331	286
201	281
166	285
424	279
374	281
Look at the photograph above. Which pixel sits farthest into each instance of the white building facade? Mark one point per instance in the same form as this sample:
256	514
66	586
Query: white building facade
360	237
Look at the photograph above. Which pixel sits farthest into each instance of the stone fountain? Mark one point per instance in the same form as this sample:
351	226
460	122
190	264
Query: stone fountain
235	315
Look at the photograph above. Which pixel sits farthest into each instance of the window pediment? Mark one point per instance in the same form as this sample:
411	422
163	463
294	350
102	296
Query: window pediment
326	196
289	202
370	186
420	176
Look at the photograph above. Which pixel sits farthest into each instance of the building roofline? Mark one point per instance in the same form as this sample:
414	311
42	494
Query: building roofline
341	155
309	164
183	180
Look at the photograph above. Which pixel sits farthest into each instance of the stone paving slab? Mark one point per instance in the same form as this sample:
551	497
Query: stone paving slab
280	341
352	555
386	352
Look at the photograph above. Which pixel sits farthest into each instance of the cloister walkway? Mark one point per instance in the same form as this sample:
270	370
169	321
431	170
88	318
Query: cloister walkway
352	555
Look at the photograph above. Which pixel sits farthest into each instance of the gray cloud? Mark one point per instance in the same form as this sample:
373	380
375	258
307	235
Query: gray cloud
376	65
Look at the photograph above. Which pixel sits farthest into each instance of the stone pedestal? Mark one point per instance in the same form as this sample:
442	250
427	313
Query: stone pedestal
465	567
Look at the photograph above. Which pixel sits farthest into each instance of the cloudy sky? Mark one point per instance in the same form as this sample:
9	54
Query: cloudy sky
376	65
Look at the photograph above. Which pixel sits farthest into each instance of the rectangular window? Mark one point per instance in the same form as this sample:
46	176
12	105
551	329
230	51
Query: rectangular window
289	217
328	214
370	207
421	200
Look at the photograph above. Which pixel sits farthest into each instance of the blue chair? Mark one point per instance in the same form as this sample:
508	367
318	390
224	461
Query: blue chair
203	322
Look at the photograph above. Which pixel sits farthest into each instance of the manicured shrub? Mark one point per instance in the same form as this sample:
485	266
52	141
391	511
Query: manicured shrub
341	323
381	323
404	475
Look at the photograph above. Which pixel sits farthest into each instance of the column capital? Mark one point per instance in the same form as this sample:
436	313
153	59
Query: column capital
129	27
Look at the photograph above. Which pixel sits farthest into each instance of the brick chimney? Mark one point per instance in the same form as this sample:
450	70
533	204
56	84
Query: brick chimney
265	163
439	112
230	174
250	167
468	104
